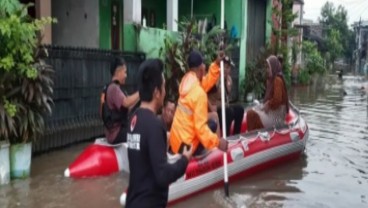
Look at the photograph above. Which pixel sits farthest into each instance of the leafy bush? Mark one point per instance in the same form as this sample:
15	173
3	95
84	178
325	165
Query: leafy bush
304	77
25	82
254	81
255	77
314	62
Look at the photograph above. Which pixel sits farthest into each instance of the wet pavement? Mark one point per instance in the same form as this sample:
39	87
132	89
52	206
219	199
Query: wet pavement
332	173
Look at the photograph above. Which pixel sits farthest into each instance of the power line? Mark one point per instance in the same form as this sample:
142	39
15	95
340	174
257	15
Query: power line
362	9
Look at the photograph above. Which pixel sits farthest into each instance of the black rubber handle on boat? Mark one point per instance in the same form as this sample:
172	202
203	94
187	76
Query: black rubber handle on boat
226	189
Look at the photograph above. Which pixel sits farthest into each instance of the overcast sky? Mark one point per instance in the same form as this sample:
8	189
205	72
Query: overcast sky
355	8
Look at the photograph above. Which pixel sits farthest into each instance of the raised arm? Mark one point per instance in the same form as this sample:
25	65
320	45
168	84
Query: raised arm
211	78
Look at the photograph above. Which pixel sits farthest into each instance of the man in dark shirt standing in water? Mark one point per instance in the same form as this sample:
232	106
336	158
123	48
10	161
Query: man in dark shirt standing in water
115	105
150	172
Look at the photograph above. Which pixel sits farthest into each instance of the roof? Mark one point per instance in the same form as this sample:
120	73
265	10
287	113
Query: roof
363	23
299	1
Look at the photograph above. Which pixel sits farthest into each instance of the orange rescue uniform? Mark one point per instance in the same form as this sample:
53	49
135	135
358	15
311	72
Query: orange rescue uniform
191	116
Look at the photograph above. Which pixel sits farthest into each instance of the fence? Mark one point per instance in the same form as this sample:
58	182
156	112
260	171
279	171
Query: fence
80	75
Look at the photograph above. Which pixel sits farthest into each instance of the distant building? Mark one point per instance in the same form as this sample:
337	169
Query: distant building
298	9
361	41
313	32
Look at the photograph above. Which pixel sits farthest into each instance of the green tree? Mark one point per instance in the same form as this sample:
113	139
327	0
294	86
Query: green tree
335	26
334	45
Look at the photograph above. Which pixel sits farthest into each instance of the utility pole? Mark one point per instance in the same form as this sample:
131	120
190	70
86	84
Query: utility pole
360	22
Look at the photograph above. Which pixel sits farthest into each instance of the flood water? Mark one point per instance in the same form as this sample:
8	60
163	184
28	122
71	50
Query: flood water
332	173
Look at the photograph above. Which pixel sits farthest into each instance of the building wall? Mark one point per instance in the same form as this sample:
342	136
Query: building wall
297	9
159	9
105	24
43	9
243	43
150	40
207	8
233	15
105	18
268	21
78	23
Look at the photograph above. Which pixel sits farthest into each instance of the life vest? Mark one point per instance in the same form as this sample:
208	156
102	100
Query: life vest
189	125
111	117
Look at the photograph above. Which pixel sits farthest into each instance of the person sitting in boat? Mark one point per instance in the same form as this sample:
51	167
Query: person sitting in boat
150	172
190	125
275	104
167	114
234	113
115	104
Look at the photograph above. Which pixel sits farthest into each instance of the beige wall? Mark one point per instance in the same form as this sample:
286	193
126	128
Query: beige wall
43	9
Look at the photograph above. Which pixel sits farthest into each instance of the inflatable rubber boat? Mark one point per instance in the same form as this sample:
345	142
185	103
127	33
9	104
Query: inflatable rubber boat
247	153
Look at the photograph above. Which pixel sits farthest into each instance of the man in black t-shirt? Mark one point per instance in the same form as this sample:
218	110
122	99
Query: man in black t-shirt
150	172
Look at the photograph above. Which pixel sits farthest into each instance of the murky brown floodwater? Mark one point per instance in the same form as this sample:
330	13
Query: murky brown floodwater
333	173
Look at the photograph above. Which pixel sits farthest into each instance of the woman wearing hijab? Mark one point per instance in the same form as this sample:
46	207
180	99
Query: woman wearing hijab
275	104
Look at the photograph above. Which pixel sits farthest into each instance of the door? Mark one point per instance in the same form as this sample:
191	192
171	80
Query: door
256	32
115	25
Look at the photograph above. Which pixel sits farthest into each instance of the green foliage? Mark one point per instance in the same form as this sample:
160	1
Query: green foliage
304	77
254	80
313	60
337	35
295	49
175	52
255	77
334	44
25	81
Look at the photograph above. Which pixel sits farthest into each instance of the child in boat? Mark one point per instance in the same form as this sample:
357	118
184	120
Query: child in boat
234	113
190	125
115	104
275	104
150	172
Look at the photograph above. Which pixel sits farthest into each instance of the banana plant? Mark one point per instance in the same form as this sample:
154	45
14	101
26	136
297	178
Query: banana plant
175	52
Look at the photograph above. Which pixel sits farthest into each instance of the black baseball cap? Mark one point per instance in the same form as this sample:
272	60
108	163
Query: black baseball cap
195	59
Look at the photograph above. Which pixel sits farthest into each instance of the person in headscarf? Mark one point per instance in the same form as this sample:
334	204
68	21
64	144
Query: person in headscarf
276	102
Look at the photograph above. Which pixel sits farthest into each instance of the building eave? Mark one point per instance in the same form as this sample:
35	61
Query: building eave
299	2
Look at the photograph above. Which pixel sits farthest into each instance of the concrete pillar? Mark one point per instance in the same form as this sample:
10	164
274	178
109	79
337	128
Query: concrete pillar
133	11
172	15
43	9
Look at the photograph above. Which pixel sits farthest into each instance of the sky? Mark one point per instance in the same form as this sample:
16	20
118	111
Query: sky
355	8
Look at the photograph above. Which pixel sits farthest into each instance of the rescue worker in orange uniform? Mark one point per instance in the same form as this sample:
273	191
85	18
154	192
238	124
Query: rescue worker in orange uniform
190	125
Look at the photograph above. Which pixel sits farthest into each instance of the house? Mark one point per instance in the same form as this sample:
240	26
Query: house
361	41
251	18
114	24
314	32
113	27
